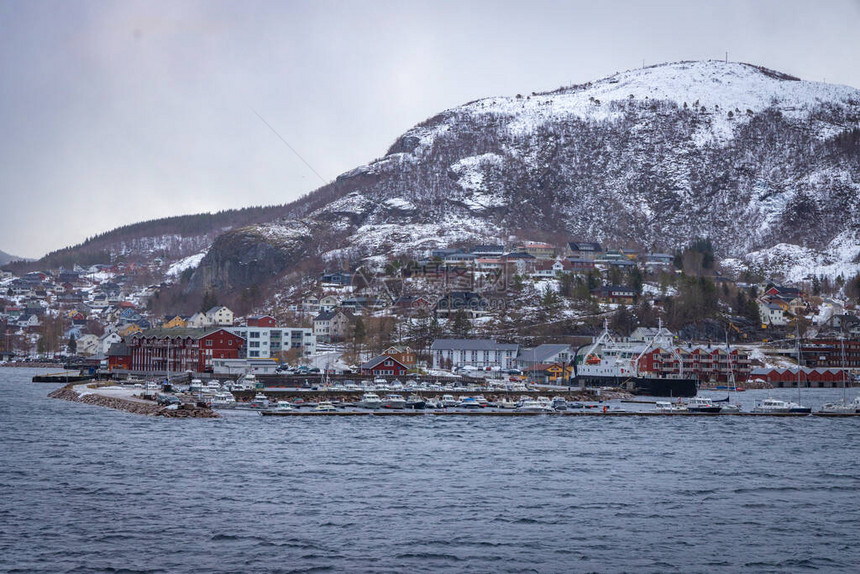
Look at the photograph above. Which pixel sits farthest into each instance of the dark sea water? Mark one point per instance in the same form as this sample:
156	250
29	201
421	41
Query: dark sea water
88	489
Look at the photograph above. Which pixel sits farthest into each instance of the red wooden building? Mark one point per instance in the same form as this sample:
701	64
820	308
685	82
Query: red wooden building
706	363
384	366
262	321
180	350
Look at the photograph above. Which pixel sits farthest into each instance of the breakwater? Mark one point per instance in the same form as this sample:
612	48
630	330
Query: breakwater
138	407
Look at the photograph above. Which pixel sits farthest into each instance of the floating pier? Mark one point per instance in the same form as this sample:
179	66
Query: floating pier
511	413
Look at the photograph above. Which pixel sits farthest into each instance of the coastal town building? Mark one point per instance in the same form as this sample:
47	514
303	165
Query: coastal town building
807	377
219	315
831	353
264	340
332	326
479	353
179	350
544	354
384	366
707	363
404	355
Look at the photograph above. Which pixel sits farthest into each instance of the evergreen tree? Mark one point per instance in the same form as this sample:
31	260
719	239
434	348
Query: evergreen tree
72	345
461	326
209	301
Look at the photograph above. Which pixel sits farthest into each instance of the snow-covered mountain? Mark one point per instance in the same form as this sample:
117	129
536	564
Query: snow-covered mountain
754	159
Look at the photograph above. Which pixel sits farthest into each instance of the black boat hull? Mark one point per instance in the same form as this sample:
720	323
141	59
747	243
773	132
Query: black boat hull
651	386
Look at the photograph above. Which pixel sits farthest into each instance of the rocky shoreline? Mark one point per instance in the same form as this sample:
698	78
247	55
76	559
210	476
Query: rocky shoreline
138	407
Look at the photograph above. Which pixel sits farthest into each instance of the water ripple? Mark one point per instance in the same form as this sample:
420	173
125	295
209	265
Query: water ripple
93	490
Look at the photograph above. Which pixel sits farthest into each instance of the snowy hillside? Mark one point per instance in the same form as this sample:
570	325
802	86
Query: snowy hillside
764	164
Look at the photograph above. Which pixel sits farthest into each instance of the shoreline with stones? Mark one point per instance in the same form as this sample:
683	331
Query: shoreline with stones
136	406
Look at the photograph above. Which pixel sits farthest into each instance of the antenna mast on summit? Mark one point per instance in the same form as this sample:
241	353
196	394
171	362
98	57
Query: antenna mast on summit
727	57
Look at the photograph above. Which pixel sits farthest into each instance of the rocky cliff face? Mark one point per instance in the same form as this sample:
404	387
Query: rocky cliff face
750	157
247	256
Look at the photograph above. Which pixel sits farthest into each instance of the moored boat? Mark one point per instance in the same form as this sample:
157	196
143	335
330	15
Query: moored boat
415	402
369	401
702	405
469	403
223	400
615	363
534	406
393	401
260	401
772	406
670	407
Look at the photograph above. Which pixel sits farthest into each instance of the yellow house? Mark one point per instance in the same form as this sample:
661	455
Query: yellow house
175	322
128	330
555	373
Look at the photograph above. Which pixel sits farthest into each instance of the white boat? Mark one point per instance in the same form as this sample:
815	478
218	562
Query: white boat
212	387
506	404
670	407
223	400
730	408
325	407
533	406
839	408
394	402
196	386
772	406
284	406
369	401
433	403
449	401
702	405
260	401
842	407
469	403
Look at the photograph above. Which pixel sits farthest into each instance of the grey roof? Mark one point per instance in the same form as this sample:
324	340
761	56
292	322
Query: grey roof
180	332
472	345
585	246
541	353
118	350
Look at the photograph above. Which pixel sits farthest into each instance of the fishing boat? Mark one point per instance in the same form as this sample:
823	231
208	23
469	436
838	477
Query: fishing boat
325	407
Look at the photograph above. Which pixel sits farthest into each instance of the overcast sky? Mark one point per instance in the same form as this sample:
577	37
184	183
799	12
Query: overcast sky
117	112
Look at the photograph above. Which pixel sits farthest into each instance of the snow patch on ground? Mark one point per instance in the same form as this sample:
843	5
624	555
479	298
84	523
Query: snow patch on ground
795	263
400	204
283	232
190	262
395	239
